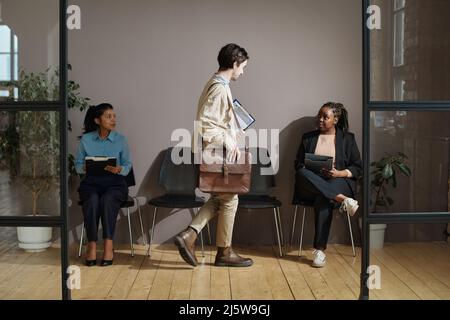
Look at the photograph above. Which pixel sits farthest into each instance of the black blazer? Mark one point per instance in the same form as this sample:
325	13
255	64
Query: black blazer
347	154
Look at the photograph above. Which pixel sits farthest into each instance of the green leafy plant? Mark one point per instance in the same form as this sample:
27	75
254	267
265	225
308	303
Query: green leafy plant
384	174
38	87
74	101
9	140
38	152
30	144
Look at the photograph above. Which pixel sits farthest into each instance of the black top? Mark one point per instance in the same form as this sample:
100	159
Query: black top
347	153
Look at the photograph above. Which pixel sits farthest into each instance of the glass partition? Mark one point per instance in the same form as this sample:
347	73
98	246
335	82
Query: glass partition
29	163
410	161
29	50
409	56
30	263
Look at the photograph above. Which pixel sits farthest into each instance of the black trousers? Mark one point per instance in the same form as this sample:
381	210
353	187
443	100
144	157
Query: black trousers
101	197
312	188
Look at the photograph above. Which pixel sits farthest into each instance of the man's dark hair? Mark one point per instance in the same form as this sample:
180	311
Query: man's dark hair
230	54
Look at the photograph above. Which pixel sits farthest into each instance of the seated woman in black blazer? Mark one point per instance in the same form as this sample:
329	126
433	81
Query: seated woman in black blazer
102	195
337	185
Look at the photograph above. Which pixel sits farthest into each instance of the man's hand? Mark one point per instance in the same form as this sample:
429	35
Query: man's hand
233	155
240	134
113	169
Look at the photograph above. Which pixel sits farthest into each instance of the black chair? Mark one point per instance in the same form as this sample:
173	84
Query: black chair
179	182
129	203
307	204
258	196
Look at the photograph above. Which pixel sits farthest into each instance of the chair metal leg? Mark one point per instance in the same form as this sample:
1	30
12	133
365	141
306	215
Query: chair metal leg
293	225
131	235
81	240
144	237
301	233
351	234
275	216
201	241
152	231
209	233
280	226
201	234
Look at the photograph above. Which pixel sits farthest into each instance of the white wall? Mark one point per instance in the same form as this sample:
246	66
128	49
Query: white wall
36	24
151	59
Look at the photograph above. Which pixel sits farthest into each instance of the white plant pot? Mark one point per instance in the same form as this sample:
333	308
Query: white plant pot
377	236
377	232
34	239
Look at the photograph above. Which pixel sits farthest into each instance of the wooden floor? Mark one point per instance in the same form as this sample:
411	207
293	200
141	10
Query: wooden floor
408	271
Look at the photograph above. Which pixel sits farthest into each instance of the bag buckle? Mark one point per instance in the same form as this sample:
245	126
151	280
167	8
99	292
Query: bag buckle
225	173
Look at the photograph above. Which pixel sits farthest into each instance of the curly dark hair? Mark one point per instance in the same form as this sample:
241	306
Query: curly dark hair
230	54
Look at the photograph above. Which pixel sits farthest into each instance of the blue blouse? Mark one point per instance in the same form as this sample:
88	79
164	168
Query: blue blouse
115	145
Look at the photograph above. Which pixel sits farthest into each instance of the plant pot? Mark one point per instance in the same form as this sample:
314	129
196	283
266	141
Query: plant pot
34	239
377	236
377	232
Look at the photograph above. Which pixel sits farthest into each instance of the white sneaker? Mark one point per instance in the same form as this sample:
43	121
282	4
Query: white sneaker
349	206
319	259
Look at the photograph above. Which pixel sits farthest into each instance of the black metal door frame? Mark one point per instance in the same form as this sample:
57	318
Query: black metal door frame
370	106
60	106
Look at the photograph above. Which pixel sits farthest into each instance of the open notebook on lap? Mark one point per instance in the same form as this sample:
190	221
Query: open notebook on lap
95	166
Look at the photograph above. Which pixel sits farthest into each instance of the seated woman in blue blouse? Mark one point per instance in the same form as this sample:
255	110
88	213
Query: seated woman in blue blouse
102	195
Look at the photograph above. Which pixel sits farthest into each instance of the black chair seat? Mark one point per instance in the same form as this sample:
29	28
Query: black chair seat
177	201
126	204
258	202
307	203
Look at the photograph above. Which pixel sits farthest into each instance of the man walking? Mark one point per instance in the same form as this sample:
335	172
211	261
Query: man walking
218	128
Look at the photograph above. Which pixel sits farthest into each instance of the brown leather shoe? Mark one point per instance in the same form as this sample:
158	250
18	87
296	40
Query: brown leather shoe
185	241
226	257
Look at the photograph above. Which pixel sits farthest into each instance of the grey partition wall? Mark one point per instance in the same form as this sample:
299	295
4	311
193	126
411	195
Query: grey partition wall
33	106
406	100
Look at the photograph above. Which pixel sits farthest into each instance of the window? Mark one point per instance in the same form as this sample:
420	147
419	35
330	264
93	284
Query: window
8	54
399	32
8	59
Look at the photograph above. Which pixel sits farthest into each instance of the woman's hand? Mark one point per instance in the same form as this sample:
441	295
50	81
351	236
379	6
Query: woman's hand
334	173
113	169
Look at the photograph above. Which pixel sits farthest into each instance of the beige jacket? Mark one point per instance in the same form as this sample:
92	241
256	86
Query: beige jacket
215	120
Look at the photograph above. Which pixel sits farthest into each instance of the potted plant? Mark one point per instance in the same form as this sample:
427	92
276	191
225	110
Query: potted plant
30	147
39	169
384	178
38	150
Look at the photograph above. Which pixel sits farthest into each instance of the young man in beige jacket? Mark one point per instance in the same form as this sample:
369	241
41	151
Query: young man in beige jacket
218	127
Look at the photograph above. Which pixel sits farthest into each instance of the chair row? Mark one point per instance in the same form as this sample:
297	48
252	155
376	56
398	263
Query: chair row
180	182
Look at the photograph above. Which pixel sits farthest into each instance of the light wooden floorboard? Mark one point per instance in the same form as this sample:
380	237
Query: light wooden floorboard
201	276
143	283
408	271
391	286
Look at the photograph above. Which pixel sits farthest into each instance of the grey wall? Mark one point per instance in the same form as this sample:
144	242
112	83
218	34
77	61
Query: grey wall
151	59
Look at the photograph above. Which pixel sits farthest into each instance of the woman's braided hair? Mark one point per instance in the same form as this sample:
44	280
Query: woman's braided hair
340	113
